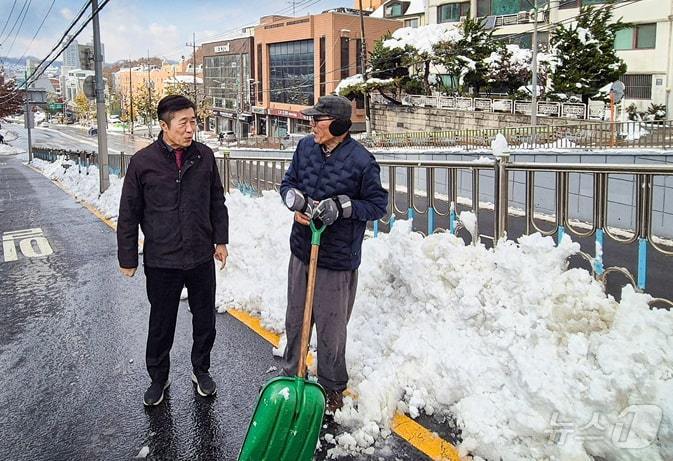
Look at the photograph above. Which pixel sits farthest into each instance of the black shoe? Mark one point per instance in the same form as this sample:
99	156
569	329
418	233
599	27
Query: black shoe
205	385
154	394
335	401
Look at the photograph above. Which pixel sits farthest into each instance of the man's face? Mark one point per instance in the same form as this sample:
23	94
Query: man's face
320	128
180	129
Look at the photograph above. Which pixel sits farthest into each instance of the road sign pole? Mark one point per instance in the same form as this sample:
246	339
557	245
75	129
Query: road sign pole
100	103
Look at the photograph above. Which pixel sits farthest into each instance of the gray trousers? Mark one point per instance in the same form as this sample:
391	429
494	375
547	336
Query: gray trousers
332	307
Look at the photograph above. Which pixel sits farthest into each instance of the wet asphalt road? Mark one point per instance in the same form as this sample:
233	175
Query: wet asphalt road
72	340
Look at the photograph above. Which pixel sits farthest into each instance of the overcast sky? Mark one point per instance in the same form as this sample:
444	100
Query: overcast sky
130	27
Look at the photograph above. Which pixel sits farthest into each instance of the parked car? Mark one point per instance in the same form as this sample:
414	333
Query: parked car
227	136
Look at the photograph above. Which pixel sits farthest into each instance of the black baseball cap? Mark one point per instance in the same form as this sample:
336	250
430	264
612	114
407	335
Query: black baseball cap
332	105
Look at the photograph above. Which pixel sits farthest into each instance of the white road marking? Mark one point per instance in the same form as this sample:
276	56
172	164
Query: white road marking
32	243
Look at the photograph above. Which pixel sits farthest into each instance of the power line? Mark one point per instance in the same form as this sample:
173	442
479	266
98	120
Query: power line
16	21
8	17
40	69
46	15
18	31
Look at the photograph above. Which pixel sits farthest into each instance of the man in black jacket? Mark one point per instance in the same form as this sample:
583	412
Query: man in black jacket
332	177
172	189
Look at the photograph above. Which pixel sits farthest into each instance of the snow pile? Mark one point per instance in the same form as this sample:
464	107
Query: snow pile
532	359
585	36
422	39
499	145
6	149
83	183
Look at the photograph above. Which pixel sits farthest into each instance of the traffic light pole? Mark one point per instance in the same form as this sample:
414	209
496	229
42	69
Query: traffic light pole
101	120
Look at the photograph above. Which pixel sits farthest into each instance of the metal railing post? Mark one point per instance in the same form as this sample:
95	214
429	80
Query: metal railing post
501	194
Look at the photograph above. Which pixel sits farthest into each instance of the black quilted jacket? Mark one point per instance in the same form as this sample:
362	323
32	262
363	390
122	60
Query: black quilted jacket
181	213
350	170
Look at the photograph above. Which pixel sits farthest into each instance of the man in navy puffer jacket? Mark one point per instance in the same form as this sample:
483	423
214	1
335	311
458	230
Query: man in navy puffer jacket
334	178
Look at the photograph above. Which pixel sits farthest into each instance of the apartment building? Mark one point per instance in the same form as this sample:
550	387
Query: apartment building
411	13
646	48
299	59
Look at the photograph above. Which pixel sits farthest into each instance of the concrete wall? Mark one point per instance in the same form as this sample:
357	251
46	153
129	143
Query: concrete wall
391	119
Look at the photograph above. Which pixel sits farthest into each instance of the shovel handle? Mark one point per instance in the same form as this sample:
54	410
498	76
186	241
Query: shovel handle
310	290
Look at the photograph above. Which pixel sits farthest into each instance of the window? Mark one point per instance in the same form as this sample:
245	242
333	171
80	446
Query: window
393	10
292	72
322	66
413	22
345	55
260	93
358	55
505	7
638	86
222	79
525	40
577	3
451	12
642	36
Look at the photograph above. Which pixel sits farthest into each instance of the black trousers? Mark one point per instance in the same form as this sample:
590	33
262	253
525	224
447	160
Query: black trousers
163	291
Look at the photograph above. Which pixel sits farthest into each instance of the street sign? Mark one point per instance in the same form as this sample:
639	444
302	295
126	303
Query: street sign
55	105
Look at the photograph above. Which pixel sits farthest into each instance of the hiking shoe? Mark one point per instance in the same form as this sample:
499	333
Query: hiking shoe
205	385
154	394
334	402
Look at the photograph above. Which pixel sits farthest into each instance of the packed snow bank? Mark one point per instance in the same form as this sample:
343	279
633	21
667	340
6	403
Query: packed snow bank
532	359
6	149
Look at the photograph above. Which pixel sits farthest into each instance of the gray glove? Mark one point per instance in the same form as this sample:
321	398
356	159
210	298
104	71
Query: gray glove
296	201
329	210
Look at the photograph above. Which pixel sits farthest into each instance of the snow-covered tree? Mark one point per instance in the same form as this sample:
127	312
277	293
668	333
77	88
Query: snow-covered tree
418	47
510	68
586	58
464	56
145	103
11	100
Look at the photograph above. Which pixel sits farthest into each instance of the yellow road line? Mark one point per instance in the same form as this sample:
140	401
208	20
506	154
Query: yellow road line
416	435
423	440
419	437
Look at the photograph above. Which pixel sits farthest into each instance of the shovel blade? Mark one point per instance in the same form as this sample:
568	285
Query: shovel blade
286	423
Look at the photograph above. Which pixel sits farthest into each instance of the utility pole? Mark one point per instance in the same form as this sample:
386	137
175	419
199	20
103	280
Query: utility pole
533	112
363	59
100	103
196	102
131	94
29	118
149	95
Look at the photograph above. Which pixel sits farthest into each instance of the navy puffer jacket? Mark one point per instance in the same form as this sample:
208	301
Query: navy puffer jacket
350	170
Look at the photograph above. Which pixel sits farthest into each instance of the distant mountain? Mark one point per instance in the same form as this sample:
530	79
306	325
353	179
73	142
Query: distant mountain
22	62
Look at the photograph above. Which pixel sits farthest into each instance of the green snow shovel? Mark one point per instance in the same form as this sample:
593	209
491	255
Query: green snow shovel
288	417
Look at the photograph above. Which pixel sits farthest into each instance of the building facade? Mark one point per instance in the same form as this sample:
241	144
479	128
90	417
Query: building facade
647	48
412	13
228	75
299	59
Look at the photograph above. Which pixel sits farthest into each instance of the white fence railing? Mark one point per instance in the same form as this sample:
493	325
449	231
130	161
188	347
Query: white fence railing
596	110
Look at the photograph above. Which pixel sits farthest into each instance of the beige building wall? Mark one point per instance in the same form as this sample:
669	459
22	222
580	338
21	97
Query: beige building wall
332	26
